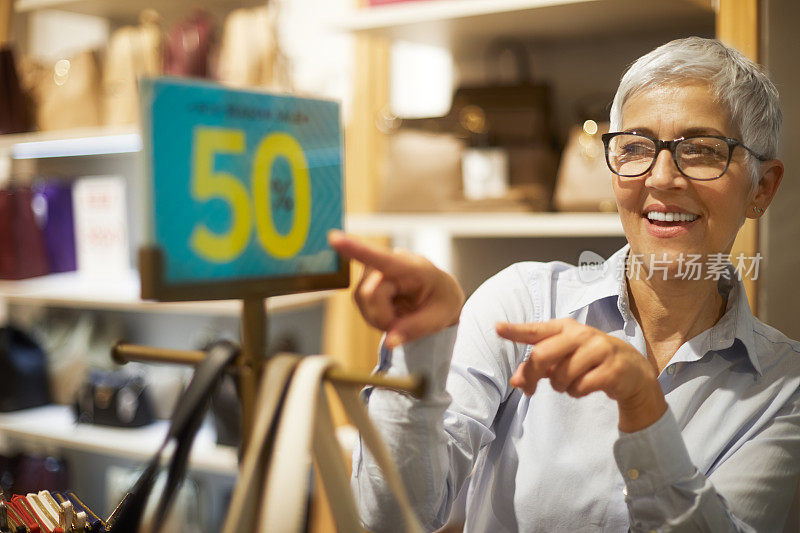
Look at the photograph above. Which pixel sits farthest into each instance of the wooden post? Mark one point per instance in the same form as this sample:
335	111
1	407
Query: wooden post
737	25
250	360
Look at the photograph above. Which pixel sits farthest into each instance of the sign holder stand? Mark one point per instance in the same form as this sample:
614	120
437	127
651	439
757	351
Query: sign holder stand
249	363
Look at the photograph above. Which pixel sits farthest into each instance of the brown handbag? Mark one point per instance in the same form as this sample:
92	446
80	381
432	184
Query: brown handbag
14	108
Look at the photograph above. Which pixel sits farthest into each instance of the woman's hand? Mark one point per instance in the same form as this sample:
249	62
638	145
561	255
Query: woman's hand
400	293
579	359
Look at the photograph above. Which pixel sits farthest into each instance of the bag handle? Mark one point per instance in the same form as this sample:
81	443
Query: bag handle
243	510
372	438
306	426
286	482
186	421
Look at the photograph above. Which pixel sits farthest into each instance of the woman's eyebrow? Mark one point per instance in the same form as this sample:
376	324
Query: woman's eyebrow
702	130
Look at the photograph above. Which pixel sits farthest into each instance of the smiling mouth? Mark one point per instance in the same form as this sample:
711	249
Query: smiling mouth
658	218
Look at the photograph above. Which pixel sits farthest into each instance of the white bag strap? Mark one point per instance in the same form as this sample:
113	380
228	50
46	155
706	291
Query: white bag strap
358	414
286	486
305	425
243	510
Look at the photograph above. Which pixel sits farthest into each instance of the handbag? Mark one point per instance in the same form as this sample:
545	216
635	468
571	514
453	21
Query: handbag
23	371
188	46
133	52
52	203
186	421
22	248
110	398
584	180
14	108
67	93
418	161
249	52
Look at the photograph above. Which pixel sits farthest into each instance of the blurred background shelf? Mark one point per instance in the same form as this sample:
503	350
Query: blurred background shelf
76	290
462	24
75	142
468	225
53	426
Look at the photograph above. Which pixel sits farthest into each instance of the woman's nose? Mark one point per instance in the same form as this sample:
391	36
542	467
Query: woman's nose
665	173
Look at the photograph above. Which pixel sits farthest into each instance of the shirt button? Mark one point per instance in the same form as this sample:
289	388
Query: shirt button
633	473
671	369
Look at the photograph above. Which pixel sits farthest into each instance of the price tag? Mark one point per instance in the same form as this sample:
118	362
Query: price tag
244	185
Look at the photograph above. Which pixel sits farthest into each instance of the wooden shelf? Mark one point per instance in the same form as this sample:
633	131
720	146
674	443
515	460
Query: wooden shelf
460	24
54	426
76	290
489	224
128	10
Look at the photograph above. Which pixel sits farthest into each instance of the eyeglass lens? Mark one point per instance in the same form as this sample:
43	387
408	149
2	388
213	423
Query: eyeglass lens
699	158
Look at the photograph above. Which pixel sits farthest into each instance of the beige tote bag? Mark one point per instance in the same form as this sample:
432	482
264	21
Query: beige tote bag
584	180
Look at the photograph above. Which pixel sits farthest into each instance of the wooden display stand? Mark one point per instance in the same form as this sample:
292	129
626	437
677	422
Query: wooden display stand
248	365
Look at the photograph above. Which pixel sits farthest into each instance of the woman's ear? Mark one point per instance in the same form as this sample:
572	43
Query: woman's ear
769	178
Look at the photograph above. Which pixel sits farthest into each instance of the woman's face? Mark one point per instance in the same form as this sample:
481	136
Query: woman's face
721	205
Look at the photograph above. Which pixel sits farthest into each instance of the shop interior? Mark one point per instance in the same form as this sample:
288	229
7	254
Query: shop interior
422	171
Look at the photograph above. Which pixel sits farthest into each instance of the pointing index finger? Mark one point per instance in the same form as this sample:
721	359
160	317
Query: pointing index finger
371	256
529	333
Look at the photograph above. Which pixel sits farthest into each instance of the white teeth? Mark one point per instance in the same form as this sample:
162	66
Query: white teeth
671	217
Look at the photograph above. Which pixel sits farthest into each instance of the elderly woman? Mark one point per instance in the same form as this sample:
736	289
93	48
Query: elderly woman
643	396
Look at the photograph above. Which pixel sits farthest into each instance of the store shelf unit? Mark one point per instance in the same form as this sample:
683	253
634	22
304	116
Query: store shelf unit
53	426
103	140
460	24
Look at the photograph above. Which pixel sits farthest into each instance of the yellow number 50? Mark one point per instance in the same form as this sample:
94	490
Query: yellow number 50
208	184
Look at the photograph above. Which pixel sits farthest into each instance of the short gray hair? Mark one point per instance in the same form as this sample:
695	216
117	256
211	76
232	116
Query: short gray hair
741	86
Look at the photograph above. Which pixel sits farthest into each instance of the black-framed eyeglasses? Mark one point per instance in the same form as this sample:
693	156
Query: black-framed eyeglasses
698	157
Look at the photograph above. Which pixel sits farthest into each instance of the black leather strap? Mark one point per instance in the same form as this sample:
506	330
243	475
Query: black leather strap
186	420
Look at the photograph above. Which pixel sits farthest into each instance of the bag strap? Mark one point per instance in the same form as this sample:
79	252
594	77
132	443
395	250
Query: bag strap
243	510
372	438
306	426
186	421
286	485
332	470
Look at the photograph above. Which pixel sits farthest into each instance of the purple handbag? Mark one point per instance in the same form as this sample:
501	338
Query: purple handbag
52	204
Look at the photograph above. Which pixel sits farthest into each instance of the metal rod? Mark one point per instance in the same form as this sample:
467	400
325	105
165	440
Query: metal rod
413	385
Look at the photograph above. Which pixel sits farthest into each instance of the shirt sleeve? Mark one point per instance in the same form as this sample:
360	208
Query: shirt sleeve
435	440
750	491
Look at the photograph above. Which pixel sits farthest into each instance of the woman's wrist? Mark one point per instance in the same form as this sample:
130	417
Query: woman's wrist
642	409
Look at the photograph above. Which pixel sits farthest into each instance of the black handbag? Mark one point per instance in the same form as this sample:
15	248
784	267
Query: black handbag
23	371
186	420
113	399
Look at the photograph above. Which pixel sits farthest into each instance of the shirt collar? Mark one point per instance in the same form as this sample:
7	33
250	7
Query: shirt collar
597	282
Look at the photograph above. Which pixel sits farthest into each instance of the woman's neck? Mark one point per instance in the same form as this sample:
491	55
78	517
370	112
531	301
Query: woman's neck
672	311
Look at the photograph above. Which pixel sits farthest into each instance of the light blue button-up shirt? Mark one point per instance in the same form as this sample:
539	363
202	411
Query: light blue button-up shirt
724	457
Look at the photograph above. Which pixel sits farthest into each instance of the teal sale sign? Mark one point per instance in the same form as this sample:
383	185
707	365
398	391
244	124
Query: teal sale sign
245	184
